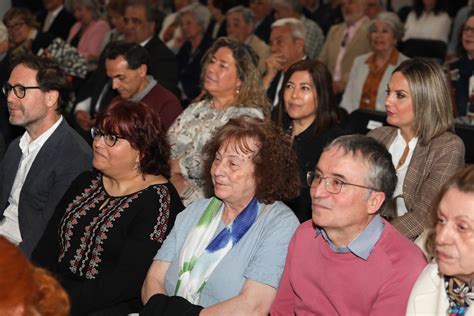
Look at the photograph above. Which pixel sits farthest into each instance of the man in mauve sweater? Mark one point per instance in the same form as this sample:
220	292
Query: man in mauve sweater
348	260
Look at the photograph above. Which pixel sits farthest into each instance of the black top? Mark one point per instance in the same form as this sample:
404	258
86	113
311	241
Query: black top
308	149
101	246
189	64
461	70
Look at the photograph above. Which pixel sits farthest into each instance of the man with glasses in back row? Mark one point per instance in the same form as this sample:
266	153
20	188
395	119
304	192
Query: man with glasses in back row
348	260
39	166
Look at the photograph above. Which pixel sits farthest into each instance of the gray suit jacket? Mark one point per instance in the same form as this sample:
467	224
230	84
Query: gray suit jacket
63	157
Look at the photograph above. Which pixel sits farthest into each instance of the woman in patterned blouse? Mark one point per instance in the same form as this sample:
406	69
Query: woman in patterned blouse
111	221
232	87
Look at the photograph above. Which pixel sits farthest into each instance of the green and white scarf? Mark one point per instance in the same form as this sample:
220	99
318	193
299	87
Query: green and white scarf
201	255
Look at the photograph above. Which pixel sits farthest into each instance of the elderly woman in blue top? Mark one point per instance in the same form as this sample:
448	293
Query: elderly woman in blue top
227	253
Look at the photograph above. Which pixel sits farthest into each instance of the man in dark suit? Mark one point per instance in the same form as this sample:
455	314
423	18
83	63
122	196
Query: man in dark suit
39	166
287	42
163	66
56	20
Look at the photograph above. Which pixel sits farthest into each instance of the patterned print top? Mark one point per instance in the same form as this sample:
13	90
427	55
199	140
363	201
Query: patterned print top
101	245
191	131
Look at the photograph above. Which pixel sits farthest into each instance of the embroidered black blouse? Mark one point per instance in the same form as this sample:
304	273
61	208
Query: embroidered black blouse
101	246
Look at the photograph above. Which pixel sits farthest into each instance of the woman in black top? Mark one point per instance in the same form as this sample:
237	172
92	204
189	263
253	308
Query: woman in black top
308	113
111	222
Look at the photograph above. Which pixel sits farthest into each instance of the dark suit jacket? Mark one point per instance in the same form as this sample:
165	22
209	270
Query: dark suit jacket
163	67
64	156
61	24
430	167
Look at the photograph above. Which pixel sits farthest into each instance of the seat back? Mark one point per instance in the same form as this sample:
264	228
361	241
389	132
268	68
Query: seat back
417	47
361	121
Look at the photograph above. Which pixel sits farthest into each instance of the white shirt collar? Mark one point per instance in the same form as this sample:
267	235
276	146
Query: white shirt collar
26	145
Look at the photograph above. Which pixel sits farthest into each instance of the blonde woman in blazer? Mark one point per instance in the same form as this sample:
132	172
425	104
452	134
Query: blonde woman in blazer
419	109
451	242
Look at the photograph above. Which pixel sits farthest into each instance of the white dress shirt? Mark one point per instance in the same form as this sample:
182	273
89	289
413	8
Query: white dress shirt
9	226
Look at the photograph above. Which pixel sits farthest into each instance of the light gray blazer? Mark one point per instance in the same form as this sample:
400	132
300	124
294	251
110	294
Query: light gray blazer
61	159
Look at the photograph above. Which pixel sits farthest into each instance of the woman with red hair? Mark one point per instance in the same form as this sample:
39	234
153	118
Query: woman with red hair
31	290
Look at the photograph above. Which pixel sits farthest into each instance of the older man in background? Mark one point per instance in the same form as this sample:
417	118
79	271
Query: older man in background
287	42
240	24
314	38
346	41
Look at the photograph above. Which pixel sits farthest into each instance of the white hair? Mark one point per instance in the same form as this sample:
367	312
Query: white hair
297	28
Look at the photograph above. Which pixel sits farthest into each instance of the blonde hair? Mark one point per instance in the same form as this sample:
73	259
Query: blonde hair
431	98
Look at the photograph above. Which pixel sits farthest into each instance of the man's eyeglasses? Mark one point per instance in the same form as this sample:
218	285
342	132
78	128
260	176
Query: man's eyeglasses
332	185
109	139
18	89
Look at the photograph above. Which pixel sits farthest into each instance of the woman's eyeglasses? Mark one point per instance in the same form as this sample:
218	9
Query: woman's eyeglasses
18	89
109	139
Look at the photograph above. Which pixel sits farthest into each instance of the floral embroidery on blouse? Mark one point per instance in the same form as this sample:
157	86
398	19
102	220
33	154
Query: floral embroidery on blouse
108	210
159	230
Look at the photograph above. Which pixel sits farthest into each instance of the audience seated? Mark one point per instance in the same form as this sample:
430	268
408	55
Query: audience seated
428	20
170	30
462	69
325	13
456	32
314	38
424	149
126	65
115	15
26	289
111	221
345	41
348	260
7	131
193	21
38	167
88	33
287	44
23	31
307	112
370	73
373	8
139	29
240	26
217	24
263	11
55	20
445	287
238	239
232	87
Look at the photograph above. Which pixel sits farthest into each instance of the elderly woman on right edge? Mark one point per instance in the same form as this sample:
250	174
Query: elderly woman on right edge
446	286
232	87
371	72
425	151
227	253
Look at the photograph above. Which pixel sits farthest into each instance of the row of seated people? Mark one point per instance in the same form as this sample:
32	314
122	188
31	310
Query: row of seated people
103	221
364	84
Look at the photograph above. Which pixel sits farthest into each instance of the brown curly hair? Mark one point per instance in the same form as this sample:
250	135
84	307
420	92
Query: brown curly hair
276	167
463	180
